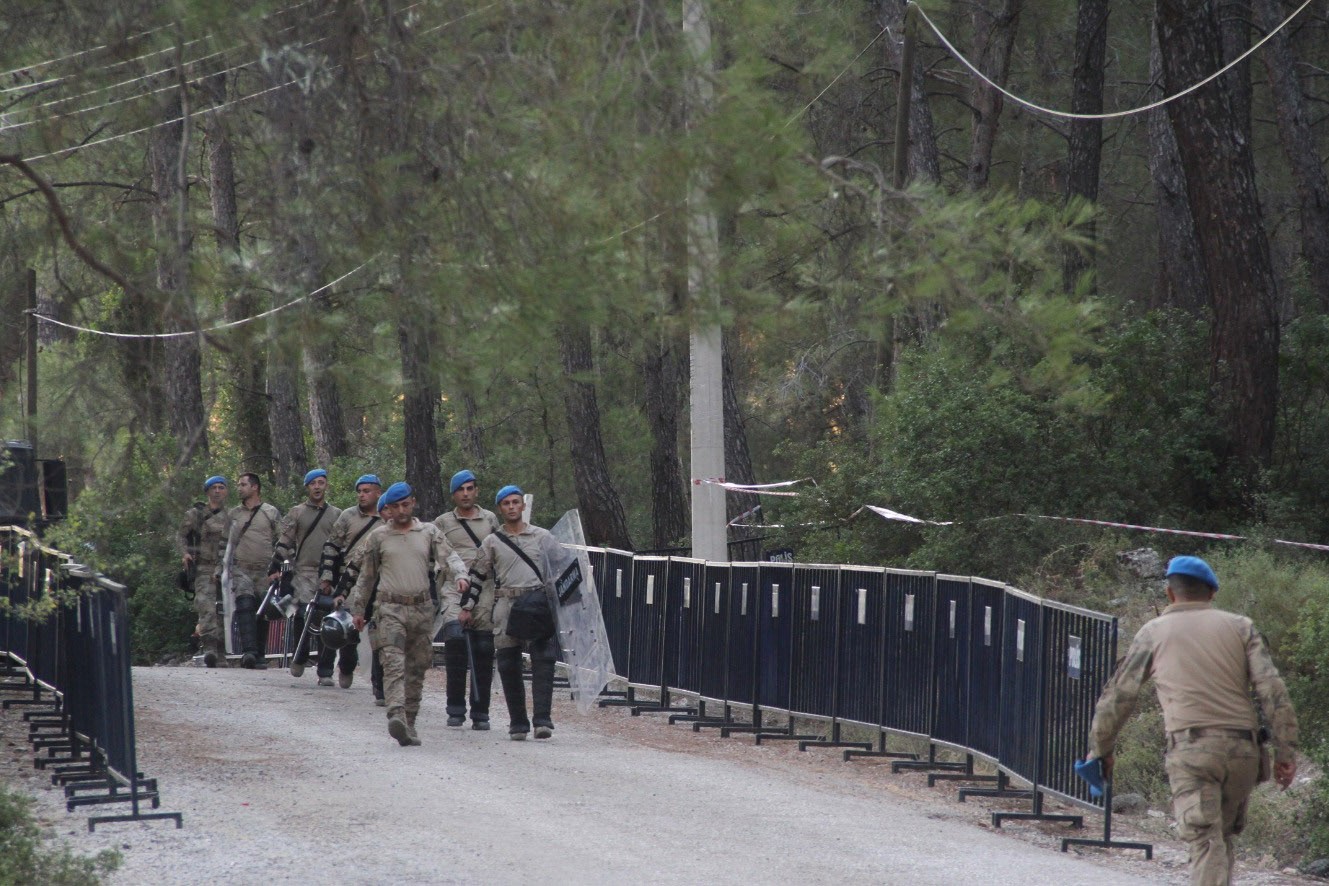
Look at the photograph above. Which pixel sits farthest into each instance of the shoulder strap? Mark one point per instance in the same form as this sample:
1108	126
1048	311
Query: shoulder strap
249	522
361	534
465	524
503	537
321	511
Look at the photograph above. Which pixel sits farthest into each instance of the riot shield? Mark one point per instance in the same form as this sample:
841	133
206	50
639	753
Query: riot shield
581	630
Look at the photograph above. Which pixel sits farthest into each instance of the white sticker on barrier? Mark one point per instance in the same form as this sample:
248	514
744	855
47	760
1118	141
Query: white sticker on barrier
1019	639
862	606
1073	658
113	652
744	608
816	603
618	583
987	625
717	598
908	612
650	590
22	557
687	593
775	601
953	603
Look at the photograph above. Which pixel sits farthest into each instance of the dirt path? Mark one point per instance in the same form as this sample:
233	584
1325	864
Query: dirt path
282	781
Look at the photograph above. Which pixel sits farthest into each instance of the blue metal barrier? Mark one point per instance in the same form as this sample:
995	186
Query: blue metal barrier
984	711
910	608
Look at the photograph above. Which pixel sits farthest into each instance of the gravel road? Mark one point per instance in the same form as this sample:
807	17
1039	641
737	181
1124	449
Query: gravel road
282	781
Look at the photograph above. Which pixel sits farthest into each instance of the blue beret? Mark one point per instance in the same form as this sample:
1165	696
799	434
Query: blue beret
367	478
213	481
459	478
505	492
1193	567
314	475
395	493
381	503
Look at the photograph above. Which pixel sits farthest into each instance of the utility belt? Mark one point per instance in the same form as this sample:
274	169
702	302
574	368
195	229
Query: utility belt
500	593
1180	735
403	599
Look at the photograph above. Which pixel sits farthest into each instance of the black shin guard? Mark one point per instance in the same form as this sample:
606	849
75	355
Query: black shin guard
454	658
247	627
482	655
542	691
514	688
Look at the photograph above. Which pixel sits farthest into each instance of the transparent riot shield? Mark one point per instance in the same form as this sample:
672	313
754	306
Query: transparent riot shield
581	630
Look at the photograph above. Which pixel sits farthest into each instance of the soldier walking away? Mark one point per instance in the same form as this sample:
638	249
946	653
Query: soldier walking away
300	541
202	536
249	544
1204	662
344	541
512	556
397	574
468	639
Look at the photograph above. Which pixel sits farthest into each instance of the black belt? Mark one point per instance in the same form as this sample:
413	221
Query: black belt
1209	732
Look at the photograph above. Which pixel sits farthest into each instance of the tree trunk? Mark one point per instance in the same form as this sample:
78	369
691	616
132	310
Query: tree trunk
248	376
168	145
1084	158
419	407
1298	138
1182	282
472	436
1234	24
1220	182
602	515
324	394
737	458
662	370
994	34
290	460
924	159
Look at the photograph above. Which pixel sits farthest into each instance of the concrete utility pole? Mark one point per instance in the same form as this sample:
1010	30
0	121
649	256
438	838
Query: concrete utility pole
30	421
707	387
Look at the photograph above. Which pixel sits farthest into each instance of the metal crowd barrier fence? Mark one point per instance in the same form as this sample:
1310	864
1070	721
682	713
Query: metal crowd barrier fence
966	664
68	660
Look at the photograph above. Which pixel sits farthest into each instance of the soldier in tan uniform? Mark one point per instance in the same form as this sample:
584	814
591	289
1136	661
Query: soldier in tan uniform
472	643
300	540
249	544
1204	663
513	574
202	536
400	561
344	540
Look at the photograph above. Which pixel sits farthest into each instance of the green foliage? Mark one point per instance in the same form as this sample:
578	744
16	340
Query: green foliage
26	859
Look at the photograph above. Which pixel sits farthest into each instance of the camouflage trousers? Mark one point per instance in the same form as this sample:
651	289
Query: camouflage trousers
210	633
1211	777
403	639
305	583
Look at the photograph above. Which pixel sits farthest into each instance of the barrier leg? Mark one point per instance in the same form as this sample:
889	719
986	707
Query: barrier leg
835	741
663	706
1107	842
1036	814
1002	791
930	763
879	751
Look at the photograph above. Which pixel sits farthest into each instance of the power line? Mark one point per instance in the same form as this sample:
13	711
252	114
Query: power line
193	332
1111	115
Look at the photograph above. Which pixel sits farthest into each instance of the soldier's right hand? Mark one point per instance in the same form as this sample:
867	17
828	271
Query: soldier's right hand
464	617
359	622
273	576
1284	773
186	560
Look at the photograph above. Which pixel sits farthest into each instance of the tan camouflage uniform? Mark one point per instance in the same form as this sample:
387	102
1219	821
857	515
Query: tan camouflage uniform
1204	662
300	539
510	574
398	564
482	524
203	535
251	551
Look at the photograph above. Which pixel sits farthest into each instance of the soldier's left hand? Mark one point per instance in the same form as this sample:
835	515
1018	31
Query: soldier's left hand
1284	773
463	585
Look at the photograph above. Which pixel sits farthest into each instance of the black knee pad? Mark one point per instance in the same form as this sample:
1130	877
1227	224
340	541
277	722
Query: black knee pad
246	603
482	645
509	660
544	650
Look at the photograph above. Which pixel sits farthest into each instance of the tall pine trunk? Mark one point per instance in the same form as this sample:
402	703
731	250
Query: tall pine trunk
1220	183
995	23
1085	155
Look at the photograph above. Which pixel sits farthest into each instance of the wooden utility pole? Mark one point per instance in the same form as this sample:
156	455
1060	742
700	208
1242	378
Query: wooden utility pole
31	329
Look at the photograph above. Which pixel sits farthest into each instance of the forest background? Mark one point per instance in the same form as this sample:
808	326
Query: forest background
1124	319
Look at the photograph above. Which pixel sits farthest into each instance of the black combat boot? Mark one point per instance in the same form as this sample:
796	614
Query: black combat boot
376	678
514	691
347	661
482	655
454	657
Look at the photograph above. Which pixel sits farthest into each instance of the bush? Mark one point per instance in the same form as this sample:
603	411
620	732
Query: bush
24	859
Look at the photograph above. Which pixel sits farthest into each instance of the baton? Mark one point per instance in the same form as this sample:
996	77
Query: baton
470	656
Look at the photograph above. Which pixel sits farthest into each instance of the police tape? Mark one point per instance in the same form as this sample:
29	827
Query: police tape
896	516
